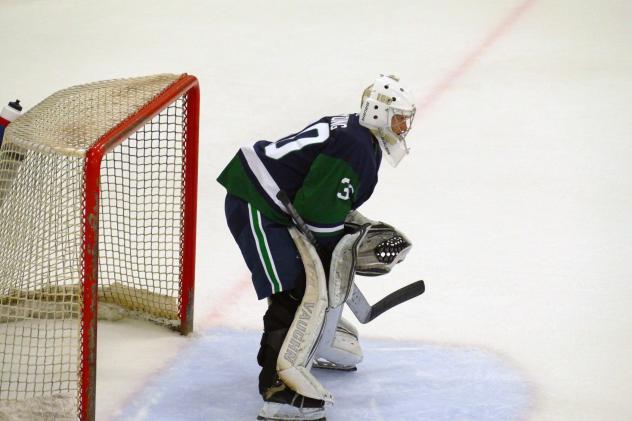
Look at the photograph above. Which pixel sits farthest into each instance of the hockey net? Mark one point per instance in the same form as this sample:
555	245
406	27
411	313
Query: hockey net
97	199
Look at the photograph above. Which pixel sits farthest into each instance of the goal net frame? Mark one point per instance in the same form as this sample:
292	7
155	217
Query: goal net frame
183	89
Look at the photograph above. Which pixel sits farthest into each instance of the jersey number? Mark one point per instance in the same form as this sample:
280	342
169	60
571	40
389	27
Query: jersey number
346	193
317	133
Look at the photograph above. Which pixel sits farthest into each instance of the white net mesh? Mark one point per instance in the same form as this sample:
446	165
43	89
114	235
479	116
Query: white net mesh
40	267
71	120
140	218
41	232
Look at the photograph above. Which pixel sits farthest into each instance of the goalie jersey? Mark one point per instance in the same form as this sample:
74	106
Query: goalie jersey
327	169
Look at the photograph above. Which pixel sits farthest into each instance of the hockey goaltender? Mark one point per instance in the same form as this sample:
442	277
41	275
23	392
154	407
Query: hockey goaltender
292	208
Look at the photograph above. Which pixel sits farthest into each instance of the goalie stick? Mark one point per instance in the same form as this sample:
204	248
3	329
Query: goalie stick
358	304
365	312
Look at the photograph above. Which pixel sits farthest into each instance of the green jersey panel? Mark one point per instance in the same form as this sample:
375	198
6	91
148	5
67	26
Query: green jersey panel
327	194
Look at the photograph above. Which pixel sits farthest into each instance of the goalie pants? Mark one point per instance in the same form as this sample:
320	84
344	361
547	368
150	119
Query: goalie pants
266	246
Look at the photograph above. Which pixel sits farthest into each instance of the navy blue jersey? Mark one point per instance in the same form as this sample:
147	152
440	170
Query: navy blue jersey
327	169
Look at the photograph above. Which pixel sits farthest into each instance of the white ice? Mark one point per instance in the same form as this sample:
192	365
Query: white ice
517	192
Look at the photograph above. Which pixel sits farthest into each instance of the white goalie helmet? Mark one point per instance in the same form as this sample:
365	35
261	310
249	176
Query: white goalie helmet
388	109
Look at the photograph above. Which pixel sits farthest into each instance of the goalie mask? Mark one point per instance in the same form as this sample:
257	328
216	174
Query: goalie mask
388	109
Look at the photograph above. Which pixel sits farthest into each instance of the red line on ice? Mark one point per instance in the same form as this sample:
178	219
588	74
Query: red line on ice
230	296
502	28
233	294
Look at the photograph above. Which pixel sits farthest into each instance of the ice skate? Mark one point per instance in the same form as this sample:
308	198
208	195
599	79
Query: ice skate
283	404
324	364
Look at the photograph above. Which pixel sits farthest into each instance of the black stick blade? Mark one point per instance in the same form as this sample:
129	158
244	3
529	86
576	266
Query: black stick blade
396	298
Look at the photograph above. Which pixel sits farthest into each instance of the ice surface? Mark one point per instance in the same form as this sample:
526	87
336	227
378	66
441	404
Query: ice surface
517	193
212	380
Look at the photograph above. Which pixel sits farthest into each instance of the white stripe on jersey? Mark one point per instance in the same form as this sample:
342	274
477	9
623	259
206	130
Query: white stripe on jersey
272	188
263	176
325	230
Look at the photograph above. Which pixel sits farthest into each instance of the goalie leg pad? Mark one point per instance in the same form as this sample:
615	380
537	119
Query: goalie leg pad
303	336
343	265
340	347
272	411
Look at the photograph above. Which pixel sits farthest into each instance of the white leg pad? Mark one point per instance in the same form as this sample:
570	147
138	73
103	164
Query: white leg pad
303	337
340	345
284	412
